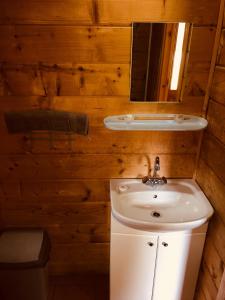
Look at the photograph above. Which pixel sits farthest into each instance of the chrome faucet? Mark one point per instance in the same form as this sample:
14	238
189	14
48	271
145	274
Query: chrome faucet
155	179
156	166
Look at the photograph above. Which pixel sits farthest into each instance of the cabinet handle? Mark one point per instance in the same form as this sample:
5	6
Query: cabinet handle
164	244
150	244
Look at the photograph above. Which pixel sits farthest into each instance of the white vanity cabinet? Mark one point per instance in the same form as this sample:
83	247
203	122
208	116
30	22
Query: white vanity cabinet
154	266
132	266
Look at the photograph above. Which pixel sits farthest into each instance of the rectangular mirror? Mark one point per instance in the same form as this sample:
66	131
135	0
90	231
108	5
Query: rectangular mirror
159	54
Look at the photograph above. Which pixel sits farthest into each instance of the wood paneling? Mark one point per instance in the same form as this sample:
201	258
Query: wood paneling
46	11
213	185
218	239
74	55
66	190
107	11
199	294
218	86
101	141
32	44
84	286
92	166
213	154
66	80
45	214
196	77
81	257
209	288
221	293
85	233
107	75
221	51
216	117
98	107
126	11
214	263
210	176
200	55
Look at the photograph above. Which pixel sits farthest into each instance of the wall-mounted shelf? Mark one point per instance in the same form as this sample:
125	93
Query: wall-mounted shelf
155	122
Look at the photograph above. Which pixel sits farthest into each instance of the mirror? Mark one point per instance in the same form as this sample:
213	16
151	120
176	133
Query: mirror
159	54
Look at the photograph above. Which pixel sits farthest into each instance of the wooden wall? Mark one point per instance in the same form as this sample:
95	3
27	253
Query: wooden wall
210	176
74	55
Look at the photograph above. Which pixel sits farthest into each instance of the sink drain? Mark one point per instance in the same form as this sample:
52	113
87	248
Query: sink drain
155	214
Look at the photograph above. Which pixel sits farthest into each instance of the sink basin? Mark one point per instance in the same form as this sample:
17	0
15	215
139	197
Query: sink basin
178	205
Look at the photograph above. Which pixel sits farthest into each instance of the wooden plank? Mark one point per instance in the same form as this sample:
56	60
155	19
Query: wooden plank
212	163
95	257
93	166
75	233
216	119
93	267
218	85
196	77
68	200
14	143
213	262
213	154
100	251
45	214
2	84
80	279
66	79
199	295
9	189
63	44
22	80
105	11
69	190
195	83
208	287
214	55
223	20
84	286
88	233
216	234
200	56
221	292
99	107
212	186
127	11
101	141
2	195
214	256
221	50
46	11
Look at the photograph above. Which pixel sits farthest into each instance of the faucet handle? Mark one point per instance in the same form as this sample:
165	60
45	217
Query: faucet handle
145	179
157	164
164	180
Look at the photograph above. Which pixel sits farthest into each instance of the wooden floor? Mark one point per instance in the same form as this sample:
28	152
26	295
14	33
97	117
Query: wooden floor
79	287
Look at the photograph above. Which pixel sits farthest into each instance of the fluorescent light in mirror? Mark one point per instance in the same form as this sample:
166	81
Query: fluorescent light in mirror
177	57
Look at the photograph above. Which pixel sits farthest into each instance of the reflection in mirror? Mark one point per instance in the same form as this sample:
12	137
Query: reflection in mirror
158	59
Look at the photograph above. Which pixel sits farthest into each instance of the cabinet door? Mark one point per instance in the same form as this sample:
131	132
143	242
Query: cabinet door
132	266
177	266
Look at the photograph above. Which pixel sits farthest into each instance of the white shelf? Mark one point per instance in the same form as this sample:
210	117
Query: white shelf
155	122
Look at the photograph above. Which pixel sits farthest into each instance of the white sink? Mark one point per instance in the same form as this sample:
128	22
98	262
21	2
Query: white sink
178	205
